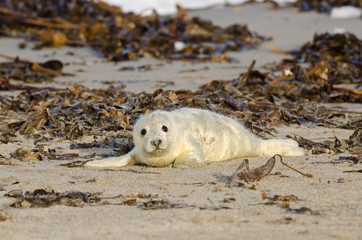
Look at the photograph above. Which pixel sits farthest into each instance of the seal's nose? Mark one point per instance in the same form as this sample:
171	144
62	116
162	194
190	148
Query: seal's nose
156	142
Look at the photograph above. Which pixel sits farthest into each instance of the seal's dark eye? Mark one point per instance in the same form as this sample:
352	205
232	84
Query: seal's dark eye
164	128
143	132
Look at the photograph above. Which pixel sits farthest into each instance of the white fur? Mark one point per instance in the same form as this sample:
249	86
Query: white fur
195	137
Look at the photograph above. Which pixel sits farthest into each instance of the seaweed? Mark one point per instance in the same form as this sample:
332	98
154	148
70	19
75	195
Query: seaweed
46	197
284	202
29	72
352	145
320	66
3	218
154	204
123	36
353	171
324	6
303	210
252	175
108	116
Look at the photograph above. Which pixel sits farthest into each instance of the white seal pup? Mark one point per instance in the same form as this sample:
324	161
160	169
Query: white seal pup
192	137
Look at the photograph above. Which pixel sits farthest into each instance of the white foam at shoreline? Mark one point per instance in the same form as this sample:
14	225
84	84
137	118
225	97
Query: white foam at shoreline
169	6
346	12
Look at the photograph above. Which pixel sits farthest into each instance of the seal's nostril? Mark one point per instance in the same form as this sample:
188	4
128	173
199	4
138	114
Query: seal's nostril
156	143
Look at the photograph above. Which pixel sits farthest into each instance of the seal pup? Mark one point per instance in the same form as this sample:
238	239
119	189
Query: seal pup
190	137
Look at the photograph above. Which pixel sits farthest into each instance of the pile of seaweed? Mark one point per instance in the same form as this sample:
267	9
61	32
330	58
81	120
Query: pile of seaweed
325	5
106	117
122	36
315	72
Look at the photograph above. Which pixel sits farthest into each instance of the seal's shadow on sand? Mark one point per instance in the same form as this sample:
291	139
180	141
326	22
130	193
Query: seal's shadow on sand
222	178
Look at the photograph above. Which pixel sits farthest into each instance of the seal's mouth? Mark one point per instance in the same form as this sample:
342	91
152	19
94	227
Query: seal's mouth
155	146
157	150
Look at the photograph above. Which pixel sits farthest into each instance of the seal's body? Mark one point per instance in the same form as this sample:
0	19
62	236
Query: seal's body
192	137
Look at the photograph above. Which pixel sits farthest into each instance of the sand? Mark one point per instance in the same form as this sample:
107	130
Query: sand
208	209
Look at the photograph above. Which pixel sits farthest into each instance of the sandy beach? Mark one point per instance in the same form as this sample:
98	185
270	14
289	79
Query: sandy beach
139	202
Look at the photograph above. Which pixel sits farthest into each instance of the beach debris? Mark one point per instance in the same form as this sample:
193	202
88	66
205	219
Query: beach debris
46	197
284	202
252	175
3	218
343	159
108	116
29	72
320	66
123	36
354	142
146	202
25	155
51	67
279	198
284	220
352	145
340	180
5	85
314	147
324	6
303	210
229	200
354	159
75	164
353	171
155	204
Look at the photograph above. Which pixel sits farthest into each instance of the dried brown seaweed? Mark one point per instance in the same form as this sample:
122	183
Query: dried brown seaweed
154	204
352	145
324	6
279	198
48	68
251	175
108	115
29	72
332	59
303	210
5	85
48	197
3	218
353	159
353	171
284	202
123	36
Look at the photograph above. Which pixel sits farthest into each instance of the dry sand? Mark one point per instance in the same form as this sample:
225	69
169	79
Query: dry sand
333	195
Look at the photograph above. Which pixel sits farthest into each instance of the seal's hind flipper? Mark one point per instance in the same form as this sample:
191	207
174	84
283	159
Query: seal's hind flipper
283	147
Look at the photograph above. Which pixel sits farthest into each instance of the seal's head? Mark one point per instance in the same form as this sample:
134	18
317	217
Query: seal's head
155	134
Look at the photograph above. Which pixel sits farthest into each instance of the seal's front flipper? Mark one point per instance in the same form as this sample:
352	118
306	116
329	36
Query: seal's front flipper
121	161
189	159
